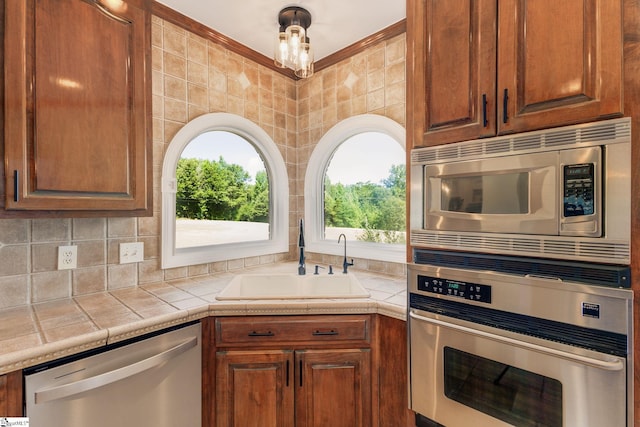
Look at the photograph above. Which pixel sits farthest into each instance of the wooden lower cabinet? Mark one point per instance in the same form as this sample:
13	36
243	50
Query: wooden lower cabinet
254	388
316	371
11	394
391	366
286	371
285	388
333	388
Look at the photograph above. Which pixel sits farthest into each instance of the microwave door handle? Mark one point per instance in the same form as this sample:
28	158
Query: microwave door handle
87	384
612	365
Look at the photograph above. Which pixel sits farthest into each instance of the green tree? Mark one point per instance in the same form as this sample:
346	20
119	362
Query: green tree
393	210
187	205
340	207
223	189
210	189
397	180
257	207
378	209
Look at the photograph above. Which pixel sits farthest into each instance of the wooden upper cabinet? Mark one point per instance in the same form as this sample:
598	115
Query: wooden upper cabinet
560	61
480	68
77	107
460	69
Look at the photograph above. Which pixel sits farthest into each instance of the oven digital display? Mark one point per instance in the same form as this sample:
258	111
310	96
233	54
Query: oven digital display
455	288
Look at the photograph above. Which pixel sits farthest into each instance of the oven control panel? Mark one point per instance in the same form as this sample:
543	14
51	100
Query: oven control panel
455	288
579	182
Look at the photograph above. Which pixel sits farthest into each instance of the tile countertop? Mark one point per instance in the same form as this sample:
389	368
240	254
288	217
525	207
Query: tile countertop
38	333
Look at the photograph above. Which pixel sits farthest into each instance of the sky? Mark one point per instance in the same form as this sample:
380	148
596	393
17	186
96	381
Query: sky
356	160
232	148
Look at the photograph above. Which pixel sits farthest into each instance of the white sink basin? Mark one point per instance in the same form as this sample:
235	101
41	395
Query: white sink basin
292	286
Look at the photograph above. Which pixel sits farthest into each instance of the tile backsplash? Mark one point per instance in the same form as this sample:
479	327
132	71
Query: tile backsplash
192	76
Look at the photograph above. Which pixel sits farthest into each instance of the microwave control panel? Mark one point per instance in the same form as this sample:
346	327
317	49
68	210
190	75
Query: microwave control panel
455	288
578	190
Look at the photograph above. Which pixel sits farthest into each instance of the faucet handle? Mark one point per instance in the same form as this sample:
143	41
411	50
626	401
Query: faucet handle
346	265
331	269
318	267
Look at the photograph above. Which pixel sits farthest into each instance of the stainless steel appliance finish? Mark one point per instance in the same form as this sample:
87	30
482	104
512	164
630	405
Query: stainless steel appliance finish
155	382
496	349
559	193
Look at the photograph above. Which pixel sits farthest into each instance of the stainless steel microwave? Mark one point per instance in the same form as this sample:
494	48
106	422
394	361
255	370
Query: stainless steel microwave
557	193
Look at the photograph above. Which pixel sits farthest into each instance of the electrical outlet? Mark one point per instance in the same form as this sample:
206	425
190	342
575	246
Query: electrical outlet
131	252
67	257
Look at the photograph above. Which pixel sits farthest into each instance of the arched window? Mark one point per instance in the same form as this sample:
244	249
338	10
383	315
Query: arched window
225	193
355	184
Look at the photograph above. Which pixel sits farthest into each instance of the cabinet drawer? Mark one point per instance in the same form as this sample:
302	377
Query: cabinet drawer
266	330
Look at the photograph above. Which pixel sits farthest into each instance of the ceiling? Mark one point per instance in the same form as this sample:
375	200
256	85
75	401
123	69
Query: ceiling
335	24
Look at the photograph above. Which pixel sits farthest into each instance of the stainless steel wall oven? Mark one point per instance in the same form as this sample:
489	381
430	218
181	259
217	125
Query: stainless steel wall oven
502	340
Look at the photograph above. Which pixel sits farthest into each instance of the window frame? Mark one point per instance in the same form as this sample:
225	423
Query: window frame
278	194
314	189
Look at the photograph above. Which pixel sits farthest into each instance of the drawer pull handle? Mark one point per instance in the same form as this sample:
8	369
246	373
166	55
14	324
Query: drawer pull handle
318	333
261	334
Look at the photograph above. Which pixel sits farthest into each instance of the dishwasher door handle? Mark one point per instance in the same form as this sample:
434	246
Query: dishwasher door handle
81	386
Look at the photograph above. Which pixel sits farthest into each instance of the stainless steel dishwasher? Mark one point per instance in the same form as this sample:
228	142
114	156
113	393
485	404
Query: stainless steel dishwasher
150	382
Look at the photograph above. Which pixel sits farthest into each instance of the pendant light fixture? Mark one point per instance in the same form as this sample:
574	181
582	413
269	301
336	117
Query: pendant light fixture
293	49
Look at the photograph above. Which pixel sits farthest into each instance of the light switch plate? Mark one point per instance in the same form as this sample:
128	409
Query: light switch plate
67	257
131	252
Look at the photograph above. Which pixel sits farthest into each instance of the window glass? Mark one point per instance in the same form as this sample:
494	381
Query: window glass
364	190
223	192
355	184
486	194
510	394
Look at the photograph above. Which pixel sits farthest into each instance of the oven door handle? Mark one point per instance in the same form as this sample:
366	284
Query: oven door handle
608	365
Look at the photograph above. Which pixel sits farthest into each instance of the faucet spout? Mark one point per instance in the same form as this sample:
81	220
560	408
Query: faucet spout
345	263
302	269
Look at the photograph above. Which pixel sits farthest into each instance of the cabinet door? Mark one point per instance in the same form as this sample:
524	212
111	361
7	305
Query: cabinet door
11	394
333	388
451	71
560	62
254	389
77	106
